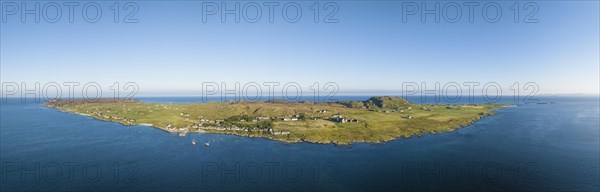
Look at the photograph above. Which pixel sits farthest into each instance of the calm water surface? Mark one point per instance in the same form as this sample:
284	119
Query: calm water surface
531	147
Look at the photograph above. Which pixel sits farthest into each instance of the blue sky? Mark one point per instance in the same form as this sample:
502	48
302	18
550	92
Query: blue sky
171	51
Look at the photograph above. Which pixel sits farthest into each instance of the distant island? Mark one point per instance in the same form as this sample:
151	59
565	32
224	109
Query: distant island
377	119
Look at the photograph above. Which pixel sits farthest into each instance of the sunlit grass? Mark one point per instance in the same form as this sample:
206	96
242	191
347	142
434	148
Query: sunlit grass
375	124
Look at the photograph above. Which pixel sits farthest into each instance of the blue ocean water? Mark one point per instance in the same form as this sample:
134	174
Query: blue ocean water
530	147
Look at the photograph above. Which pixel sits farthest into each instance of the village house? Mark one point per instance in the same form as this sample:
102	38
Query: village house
171	128
281	133
341	119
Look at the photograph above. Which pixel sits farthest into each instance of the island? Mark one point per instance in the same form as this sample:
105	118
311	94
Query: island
376	120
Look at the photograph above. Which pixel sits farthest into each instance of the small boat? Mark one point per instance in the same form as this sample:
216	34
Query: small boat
207	144
193	141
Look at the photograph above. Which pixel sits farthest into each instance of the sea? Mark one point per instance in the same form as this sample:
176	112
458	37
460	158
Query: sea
550	145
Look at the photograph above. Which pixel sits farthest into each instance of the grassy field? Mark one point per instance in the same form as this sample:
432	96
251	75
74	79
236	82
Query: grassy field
379	118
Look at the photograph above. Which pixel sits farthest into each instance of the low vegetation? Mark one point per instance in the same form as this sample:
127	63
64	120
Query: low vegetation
377	119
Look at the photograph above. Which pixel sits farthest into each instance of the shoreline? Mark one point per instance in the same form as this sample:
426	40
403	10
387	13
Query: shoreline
376	125
236	133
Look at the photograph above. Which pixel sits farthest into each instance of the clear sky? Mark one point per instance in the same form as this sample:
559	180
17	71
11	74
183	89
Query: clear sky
172	51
